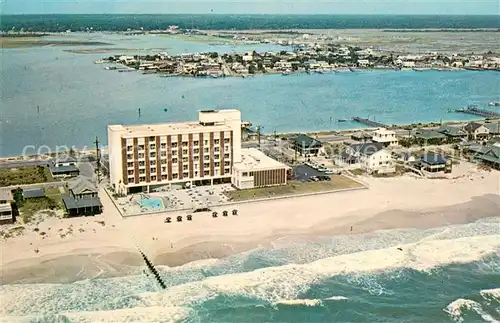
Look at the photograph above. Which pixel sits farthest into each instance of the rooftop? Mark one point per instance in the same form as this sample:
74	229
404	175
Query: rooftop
145	130
254	160
33	193
72	203
5	194
367	148
433	159
81	185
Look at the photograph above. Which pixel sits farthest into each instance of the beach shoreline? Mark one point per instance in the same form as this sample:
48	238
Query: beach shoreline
94	249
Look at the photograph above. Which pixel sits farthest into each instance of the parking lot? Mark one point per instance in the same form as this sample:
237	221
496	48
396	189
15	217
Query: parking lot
304	172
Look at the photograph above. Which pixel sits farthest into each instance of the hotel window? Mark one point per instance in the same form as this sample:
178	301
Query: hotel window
185	174
227	171
141	155
195	166
131	179
141	163
174	160
196	158
226	148
217	164
196	143
226	163
184	144
185	167
174	152
216	149
163	177
226	155
163	169
130	156
152	155
216	156
163	154
196	174
152	138
184	159
205	150
174	145
130	164
141	147
153	178
250	174
129	148
226	140
216	141
142	179
245	174
184	151
206	165
131	172
175	176
206	157
196	150
206	142
142	171
152	146
206	173
163	145
153	170
163	161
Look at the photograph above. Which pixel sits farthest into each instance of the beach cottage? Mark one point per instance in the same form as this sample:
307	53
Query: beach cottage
476	131
6	214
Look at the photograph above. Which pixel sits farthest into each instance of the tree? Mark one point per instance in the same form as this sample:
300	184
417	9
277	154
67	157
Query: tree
214	55
17	194
251	69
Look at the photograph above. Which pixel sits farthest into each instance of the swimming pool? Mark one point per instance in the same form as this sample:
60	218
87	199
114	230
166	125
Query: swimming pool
154	203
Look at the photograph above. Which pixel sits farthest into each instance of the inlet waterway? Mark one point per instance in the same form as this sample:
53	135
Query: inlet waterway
54	97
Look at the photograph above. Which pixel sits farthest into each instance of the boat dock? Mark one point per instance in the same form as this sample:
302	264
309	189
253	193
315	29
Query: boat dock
369	122
479	112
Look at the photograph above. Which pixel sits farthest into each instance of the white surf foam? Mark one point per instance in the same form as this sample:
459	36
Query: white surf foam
455	308
336	298
275	284
137	314
491	294
303	302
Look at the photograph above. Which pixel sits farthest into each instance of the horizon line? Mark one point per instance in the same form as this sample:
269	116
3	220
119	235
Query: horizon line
255	14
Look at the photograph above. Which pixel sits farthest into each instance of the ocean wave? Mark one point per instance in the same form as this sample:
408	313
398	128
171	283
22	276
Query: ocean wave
491	294
276	284
309	302
455	310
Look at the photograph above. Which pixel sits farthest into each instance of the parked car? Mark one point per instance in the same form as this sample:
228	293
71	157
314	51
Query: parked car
314	178
333	172
324	178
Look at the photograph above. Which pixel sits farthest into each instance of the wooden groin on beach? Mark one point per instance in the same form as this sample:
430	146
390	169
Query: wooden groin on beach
369	122
479	112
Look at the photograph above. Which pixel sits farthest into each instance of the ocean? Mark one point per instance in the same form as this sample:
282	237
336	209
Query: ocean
449	274
77	99
115	22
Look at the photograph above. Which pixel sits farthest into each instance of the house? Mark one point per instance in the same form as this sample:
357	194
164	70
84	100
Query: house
306	145
427	136
432	162
385	137
370	156
493	128
33	193
476	131
64	166
454	134
6	214
82	198
363	62
490	156
361	136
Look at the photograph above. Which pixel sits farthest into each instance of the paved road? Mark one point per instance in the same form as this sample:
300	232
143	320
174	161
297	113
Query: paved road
304	172
86	169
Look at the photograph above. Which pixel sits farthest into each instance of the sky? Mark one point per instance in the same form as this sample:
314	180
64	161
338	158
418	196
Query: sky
478	7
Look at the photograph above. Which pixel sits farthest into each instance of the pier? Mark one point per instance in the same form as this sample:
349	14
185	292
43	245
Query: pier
479	112
369	122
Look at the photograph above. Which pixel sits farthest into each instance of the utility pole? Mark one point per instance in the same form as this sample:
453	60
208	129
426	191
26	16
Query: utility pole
98	155
258	135
275	139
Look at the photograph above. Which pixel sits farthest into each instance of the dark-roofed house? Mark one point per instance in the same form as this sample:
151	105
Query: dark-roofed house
454	134
433	162
476	131
32	193
426	136
370	156
306	145
493	127
64	166
82	198
490	156
6	214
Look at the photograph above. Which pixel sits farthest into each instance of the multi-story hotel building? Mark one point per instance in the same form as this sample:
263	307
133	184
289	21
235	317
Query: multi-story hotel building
142	157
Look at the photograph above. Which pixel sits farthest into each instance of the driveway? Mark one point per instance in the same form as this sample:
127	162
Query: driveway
303	172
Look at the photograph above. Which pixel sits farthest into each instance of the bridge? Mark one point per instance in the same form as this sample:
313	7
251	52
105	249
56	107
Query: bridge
479	112
369	122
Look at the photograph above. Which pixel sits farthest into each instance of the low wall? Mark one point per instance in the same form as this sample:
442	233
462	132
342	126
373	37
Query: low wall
37	185
267	199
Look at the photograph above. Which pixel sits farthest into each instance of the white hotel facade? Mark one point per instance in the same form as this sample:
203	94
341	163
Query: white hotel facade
142	157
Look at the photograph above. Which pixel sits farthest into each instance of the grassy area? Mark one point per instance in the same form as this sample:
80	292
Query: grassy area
24	175
293	188
54	194
357	171
32	206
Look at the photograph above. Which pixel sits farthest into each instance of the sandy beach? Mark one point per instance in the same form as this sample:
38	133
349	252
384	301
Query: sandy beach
79	248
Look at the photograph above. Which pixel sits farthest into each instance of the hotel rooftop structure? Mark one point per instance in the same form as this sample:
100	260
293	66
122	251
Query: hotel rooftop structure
142	157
